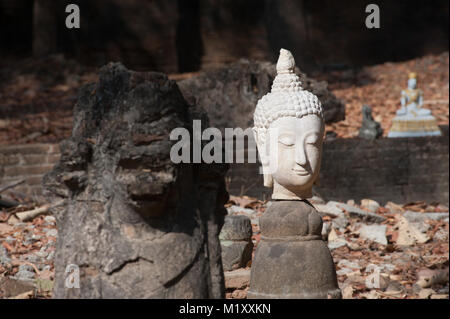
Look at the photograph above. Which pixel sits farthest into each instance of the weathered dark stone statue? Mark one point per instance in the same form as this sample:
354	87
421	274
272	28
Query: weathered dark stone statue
291	259
136	224
229	94
369	129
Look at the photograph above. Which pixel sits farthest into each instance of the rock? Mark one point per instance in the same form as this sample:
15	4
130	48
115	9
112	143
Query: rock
41	254
26	272
49	220
431	277
369	129
236	254
337	244
141	225
426	293
419	217
52	232
235	241
344	271
237	209
439	296
394	208
395	290
387	267
359	213
333	236
32	258
377	280
421	226
408	234
239	294
50	256
348	264
329	210
326	229
440	235
376	233
35	237
4	257
347	292
236	227
229	94
370	205
317	200
237	279
340	222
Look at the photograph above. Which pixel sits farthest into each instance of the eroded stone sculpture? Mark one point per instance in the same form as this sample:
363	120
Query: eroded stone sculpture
136	224
412	119
370	129
291	260
236	242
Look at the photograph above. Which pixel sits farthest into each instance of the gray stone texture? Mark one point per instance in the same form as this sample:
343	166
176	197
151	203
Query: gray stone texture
229	94
291	260
137	225
236	243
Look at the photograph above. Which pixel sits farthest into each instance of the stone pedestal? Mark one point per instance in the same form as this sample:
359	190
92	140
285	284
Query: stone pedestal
414	126
292	260
236	243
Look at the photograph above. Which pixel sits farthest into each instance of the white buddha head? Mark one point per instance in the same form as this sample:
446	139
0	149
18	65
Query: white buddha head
289	134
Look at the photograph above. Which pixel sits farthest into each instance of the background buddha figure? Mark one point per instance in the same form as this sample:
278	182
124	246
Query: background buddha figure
412	99
289	133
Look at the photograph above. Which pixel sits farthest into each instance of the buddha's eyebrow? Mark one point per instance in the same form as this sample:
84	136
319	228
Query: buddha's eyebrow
310	132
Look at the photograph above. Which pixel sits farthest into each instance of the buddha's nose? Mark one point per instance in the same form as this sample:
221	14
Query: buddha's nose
300	155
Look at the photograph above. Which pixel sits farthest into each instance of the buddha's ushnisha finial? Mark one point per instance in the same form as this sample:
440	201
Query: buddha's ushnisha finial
286	62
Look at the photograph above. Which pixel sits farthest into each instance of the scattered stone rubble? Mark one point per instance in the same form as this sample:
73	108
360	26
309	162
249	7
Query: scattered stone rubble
379	251
365	267
27	252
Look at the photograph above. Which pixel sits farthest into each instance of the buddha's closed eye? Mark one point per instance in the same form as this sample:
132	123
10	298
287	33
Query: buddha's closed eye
312	139
286	140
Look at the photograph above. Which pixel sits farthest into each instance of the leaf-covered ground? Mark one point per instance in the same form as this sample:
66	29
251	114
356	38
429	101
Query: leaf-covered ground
407	259
405	266
37	96
379	86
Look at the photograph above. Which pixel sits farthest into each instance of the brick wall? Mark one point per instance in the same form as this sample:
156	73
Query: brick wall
399	170
29	162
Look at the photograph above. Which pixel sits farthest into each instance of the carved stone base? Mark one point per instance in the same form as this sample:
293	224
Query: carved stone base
291	260
409	126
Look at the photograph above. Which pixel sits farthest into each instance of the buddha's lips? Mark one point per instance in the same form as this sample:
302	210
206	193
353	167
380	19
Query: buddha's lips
301	172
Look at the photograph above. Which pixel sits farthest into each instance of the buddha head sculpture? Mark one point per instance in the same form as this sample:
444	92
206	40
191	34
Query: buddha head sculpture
289	132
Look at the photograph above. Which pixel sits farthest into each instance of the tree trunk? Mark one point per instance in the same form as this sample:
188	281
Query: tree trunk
44	27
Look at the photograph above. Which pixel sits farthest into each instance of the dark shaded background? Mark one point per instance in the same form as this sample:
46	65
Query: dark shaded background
181	36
